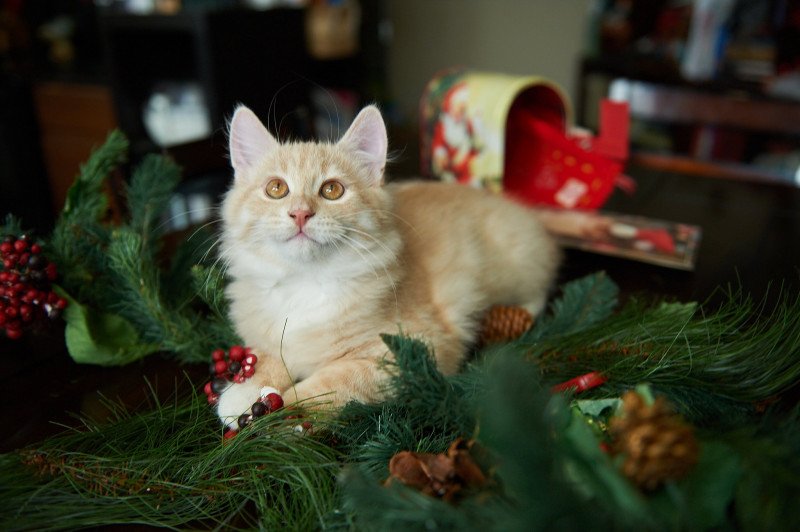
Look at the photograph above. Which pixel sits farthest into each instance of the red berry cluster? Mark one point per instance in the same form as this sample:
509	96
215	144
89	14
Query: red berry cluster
26	295
237	365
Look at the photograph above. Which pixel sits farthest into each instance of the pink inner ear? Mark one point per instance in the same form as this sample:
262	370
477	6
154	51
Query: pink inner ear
367	136
249	139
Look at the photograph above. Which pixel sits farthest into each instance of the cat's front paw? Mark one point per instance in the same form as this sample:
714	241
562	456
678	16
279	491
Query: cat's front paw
236	404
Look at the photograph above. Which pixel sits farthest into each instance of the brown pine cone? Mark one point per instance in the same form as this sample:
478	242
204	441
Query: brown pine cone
438	475
658	446
504	323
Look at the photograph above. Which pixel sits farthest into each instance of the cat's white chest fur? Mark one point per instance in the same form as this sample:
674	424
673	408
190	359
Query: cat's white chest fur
295	313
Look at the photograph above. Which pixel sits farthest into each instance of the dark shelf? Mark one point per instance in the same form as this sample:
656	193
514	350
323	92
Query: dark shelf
235	56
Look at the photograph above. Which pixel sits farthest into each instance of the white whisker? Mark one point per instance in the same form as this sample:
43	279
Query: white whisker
380	211
389	277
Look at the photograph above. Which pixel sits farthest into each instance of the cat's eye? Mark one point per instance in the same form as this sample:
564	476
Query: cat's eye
277	188
331	190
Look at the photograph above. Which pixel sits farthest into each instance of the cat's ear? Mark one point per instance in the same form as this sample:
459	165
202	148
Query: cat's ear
249	140
367	138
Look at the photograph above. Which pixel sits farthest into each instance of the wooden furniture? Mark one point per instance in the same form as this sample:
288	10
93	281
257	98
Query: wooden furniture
233	55
73	119
714	129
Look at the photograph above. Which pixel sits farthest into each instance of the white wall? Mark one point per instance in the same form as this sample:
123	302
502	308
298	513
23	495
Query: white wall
541	37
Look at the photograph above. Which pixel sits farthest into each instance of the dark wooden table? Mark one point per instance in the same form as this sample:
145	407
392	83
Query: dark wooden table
751	237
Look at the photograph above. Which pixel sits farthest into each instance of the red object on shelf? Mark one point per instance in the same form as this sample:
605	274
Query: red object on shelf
544	166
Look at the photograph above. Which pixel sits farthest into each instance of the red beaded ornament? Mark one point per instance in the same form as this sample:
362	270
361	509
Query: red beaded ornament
235	366
26	295
227	367
581	383
270	401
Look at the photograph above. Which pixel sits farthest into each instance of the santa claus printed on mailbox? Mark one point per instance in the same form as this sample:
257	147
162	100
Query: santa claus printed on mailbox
455	141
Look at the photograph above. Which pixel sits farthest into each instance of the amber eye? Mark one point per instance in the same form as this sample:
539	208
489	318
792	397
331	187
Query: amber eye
331	190
277	188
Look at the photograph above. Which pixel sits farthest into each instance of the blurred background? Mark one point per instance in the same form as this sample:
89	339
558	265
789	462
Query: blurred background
713	85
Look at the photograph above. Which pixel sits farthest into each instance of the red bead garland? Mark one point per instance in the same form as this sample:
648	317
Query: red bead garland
26	295
270	401
236	365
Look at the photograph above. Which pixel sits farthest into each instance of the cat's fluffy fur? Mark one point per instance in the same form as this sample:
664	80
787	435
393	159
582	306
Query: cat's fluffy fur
422	258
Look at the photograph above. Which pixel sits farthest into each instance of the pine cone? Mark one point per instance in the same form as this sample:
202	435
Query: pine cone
504	323
438	475
658	446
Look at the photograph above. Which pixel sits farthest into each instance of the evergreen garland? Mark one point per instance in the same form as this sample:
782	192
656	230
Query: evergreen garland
170	466
126	300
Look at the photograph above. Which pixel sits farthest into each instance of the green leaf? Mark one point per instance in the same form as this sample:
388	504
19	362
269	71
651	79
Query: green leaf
598	407
100	338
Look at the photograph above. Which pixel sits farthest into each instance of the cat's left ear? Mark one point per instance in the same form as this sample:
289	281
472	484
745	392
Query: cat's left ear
367	138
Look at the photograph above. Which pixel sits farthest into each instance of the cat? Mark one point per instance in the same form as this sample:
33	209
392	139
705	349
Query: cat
322	258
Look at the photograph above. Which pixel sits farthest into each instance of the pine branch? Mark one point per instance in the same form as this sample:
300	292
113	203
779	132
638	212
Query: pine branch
583	303
139	300
11	226
85	199
150	189
209	284
677	347
79	240
170	467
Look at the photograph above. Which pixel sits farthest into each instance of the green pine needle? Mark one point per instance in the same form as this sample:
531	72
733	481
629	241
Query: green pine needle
170	467
150	189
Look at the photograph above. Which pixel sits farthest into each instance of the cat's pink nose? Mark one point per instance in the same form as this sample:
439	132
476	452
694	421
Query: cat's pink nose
301	217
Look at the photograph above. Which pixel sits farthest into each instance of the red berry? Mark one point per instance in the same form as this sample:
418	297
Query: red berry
61	303
220	367
207	388
239	378
13	334
8	263
273	401
2	317
6	247
36	249
236	353
217	355
21	245
248	371
51	271
230	434
3	276
11	312
250	360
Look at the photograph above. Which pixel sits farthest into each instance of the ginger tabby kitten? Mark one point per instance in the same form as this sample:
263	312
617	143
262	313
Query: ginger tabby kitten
322	259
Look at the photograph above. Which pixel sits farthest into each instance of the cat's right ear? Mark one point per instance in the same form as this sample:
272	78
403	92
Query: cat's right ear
248	140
